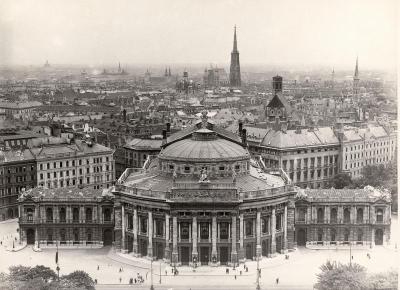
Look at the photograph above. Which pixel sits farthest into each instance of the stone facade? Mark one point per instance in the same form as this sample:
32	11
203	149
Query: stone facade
50	217
342	217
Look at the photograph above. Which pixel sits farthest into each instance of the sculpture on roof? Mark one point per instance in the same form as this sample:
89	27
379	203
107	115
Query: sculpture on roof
203	176
301	194
174	175
233	175
204	119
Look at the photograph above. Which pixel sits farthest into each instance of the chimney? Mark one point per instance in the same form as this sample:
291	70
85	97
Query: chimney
240	127
244	137
298	130
164	134
168	127
284	127
277	125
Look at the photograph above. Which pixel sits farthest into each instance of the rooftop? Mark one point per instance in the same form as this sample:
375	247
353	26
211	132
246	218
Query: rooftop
54	194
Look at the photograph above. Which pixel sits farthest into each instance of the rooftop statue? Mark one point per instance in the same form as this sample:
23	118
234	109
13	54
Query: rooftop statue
203	176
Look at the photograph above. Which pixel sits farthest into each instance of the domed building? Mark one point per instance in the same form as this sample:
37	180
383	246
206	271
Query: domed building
203	200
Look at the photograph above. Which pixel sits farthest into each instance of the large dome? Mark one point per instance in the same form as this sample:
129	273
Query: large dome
204	146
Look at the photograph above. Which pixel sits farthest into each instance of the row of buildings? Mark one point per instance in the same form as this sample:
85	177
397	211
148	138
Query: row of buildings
202	201
51	163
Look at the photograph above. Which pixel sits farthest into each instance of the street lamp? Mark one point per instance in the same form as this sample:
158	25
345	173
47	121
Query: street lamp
258	273
151	274
160	271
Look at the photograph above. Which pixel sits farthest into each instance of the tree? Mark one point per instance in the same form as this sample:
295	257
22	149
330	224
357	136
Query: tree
77	279
341	180
341	276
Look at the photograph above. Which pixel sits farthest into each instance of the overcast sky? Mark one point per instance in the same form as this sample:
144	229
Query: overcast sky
271	32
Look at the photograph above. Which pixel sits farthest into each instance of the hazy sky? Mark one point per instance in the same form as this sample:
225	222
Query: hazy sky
271	32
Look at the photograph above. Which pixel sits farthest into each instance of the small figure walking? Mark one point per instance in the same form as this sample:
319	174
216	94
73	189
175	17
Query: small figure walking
277	281
98	267
235	277
120	279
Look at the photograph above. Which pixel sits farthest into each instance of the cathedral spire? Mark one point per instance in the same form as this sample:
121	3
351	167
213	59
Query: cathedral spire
234	41
234	74
356	70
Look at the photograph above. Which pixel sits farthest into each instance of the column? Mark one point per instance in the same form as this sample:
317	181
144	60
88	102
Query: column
353	215
258	233
174	240
135	231
37	237
194	239
340	214
214	239
167	249
372	237
285	237
327	212
150	235
241	236
55	214
273	229
308	218
123	243
234	255
100	214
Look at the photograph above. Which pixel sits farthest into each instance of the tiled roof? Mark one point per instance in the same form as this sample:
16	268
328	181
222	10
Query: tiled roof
358	134
317	137
144	144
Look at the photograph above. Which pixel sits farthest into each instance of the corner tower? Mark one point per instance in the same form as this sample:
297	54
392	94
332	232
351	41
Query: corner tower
234	74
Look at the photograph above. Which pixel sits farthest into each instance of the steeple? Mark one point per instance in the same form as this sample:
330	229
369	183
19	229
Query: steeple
356	70
234	74
234	42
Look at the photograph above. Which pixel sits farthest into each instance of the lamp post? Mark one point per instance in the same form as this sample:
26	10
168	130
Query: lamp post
151	274
258	273
160	271
350	253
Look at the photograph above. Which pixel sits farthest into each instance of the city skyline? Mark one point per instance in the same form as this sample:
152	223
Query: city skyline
328	35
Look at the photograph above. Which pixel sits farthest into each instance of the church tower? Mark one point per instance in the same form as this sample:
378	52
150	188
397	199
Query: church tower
356	80
234	74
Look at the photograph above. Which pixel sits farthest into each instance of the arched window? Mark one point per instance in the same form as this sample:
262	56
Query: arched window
360	215
333	215
75	214
29	214
264	225
346	236
107	215
320	215
49	215
76	236
249	228
379	215
333	236
89	214
319	236
360	236
301	215
63	215
346	215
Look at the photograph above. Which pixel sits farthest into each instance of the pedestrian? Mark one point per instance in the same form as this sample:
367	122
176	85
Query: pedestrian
166	273
240	272
135	280
277	281
120	279
98	267
95	281
131	281
235	277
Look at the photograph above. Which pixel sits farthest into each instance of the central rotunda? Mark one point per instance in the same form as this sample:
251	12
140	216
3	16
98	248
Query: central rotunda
203	201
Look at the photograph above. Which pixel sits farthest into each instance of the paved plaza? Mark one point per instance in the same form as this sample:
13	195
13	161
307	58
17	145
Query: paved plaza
298	272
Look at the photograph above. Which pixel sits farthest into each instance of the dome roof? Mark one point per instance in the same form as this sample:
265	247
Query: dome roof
204	147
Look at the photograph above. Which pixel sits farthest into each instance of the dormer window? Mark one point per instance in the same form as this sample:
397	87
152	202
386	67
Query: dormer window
187	169
222	168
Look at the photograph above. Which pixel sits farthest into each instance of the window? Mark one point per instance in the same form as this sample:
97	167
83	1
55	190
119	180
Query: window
249	228
184	231
301	214
222	168
320	215
223	231
89	214
278	222
187	169
75	214
360	214
264	225
379	216
346	215
62	214
333	217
